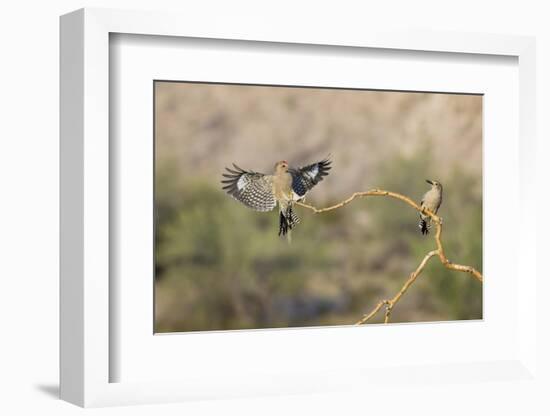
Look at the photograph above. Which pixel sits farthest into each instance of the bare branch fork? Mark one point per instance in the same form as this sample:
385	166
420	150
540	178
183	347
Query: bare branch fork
390	303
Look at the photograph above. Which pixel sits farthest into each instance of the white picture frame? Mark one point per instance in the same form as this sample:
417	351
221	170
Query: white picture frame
87	356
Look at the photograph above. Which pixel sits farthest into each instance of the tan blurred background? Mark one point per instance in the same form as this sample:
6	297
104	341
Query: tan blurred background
220	265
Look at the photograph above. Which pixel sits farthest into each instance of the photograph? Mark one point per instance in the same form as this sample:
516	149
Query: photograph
242	208
304	206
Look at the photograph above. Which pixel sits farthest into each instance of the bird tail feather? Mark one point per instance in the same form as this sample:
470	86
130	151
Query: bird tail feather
424	226
287	220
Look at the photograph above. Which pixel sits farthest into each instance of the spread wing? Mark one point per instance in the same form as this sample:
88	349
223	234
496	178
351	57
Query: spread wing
253	189
305	178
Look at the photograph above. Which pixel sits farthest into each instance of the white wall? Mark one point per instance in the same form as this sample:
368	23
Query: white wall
29	196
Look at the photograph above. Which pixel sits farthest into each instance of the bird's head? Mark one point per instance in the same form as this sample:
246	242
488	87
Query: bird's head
281	166
435	184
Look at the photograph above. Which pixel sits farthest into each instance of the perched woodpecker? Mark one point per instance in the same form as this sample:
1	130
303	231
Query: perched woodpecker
431	201
287	185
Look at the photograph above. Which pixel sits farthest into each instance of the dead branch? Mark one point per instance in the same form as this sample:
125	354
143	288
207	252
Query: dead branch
390	304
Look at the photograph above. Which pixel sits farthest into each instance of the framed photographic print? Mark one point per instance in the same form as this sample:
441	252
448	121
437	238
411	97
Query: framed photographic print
244	213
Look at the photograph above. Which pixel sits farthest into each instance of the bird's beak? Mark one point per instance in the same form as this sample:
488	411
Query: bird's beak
429	181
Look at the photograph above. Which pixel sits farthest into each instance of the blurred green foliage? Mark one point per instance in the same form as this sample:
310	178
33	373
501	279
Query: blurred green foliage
222	266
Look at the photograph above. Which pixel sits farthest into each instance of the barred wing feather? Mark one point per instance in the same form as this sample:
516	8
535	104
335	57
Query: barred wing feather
253	189
305	178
